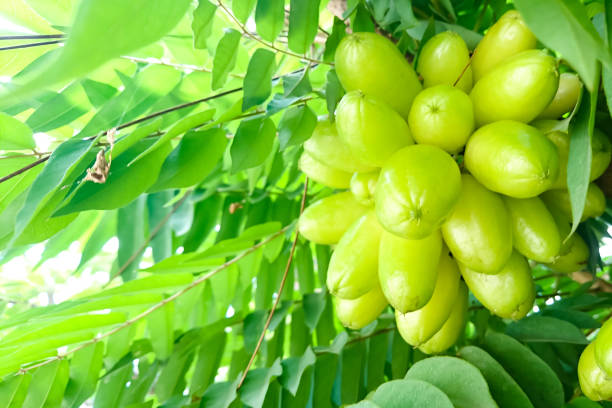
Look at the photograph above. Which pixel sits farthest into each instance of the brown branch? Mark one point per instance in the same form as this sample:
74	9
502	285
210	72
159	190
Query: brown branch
161	304
14	47
279	293
30	37
24	169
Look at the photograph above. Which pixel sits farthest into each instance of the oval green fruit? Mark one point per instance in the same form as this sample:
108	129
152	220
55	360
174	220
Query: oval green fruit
594	206
442	116
573	256
508	294
561	141
479	231
453	327
410	201
325	221
518	89
353	267
443	60
325	146
602	153
372	130
321	173
534	230
373	64
363	186
507	37
421	325
512	158
594	382
358	313
566	97
603	348
408	269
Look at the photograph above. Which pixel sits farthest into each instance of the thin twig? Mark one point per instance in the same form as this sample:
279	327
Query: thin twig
152	235
159	305
463	71
14	47
17	156
279	292
267	44
30	37
24	169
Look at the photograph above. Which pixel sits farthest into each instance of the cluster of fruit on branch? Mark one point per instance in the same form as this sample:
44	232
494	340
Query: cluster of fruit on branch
455	183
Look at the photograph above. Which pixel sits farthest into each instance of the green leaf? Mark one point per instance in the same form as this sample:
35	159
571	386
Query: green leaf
60	110
97	92
296	126
124	143
534	376
206	214
404	9
303	24
159	213
220	395
545	329
203	17
192	160
13	187
333	92
459	380
13	390
252	327
580	43
582	402
252	143
314	304
352	366
377	356
582	320
258	79
297	83
293	369
504	389
60	165
410	394
171	378
110	27
178	128
270	18
243	9
160	325
255	386
225	57
112	387
47	382
337	34
124	182
580	155
14	135
155	283
104	231
209	359
85	369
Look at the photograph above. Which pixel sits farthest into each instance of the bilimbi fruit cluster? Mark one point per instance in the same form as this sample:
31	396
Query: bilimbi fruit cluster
454	181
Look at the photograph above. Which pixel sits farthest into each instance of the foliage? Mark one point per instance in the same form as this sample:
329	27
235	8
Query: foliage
201	111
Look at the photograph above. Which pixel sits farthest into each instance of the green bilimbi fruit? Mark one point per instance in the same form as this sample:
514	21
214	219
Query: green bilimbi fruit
566	97
322	173
358	313
442	116
443	60
325	146
373	64
534	230
594	382
594	206
508	294
408	268
507	37
421	325
417	190
363	186
573	256
603	348
601	151
512	158
372	130
325	221
518	89
453	327
479	231
353	268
